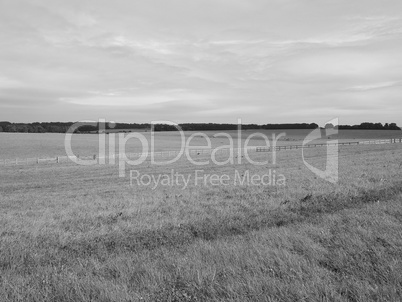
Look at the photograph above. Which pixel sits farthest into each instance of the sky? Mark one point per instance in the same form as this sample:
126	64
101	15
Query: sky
264	61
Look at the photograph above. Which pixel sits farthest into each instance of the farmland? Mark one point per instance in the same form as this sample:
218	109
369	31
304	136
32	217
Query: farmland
81	233
25	145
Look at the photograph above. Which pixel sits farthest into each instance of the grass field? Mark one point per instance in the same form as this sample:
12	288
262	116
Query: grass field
75	233
28	145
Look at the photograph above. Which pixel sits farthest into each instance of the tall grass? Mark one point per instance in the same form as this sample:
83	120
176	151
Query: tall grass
71	233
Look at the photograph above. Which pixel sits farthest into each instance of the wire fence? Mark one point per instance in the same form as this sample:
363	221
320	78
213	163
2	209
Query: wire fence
114	157
373	142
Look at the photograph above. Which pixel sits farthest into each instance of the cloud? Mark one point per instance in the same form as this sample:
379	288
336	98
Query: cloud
6	82
375	86
263	60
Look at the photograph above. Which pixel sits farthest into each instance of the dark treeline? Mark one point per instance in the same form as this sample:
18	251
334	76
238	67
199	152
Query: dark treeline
368	126
211	126
218	127
198	127
56	127
62	127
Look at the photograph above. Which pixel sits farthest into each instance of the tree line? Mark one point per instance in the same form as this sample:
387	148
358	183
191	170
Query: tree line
367	126
62	127
56	127
59	127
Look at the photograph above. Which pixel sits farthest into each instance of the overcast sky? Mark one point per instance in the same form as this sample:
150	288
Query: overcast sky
265	61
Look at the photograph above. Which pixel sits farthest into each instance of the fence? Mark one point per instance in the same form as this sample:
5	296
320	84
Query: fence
61	159
166	154
289	147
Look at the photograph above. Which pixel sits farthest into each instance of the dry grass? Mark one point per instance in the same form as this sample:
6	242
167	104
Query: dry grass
70	233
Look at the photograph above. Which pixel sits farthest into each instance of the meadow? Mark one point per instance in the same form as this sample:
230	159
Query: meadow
81	233
29	145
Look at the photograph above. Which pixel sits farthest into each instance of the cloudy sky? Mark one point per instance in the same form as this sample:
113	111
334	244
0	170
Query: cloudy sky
265	61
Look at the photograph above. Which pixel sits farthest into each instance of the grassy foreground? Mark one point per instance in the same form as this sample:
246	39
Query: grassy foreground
70	233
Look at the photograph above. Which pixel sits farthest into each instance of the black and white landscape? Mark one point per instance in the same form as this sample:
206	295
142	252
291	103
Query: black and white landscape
199	150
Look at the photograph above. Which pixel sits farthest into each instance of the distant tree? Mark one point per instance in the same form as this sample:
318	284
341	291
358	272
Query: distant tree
378	126
22	128
40	129
10	128
3	124
87	128
372	126
55	129
393	126
1	129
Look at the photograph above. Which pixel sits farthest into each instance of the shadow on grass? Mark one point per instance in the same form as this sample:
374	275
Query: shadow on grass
305	210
